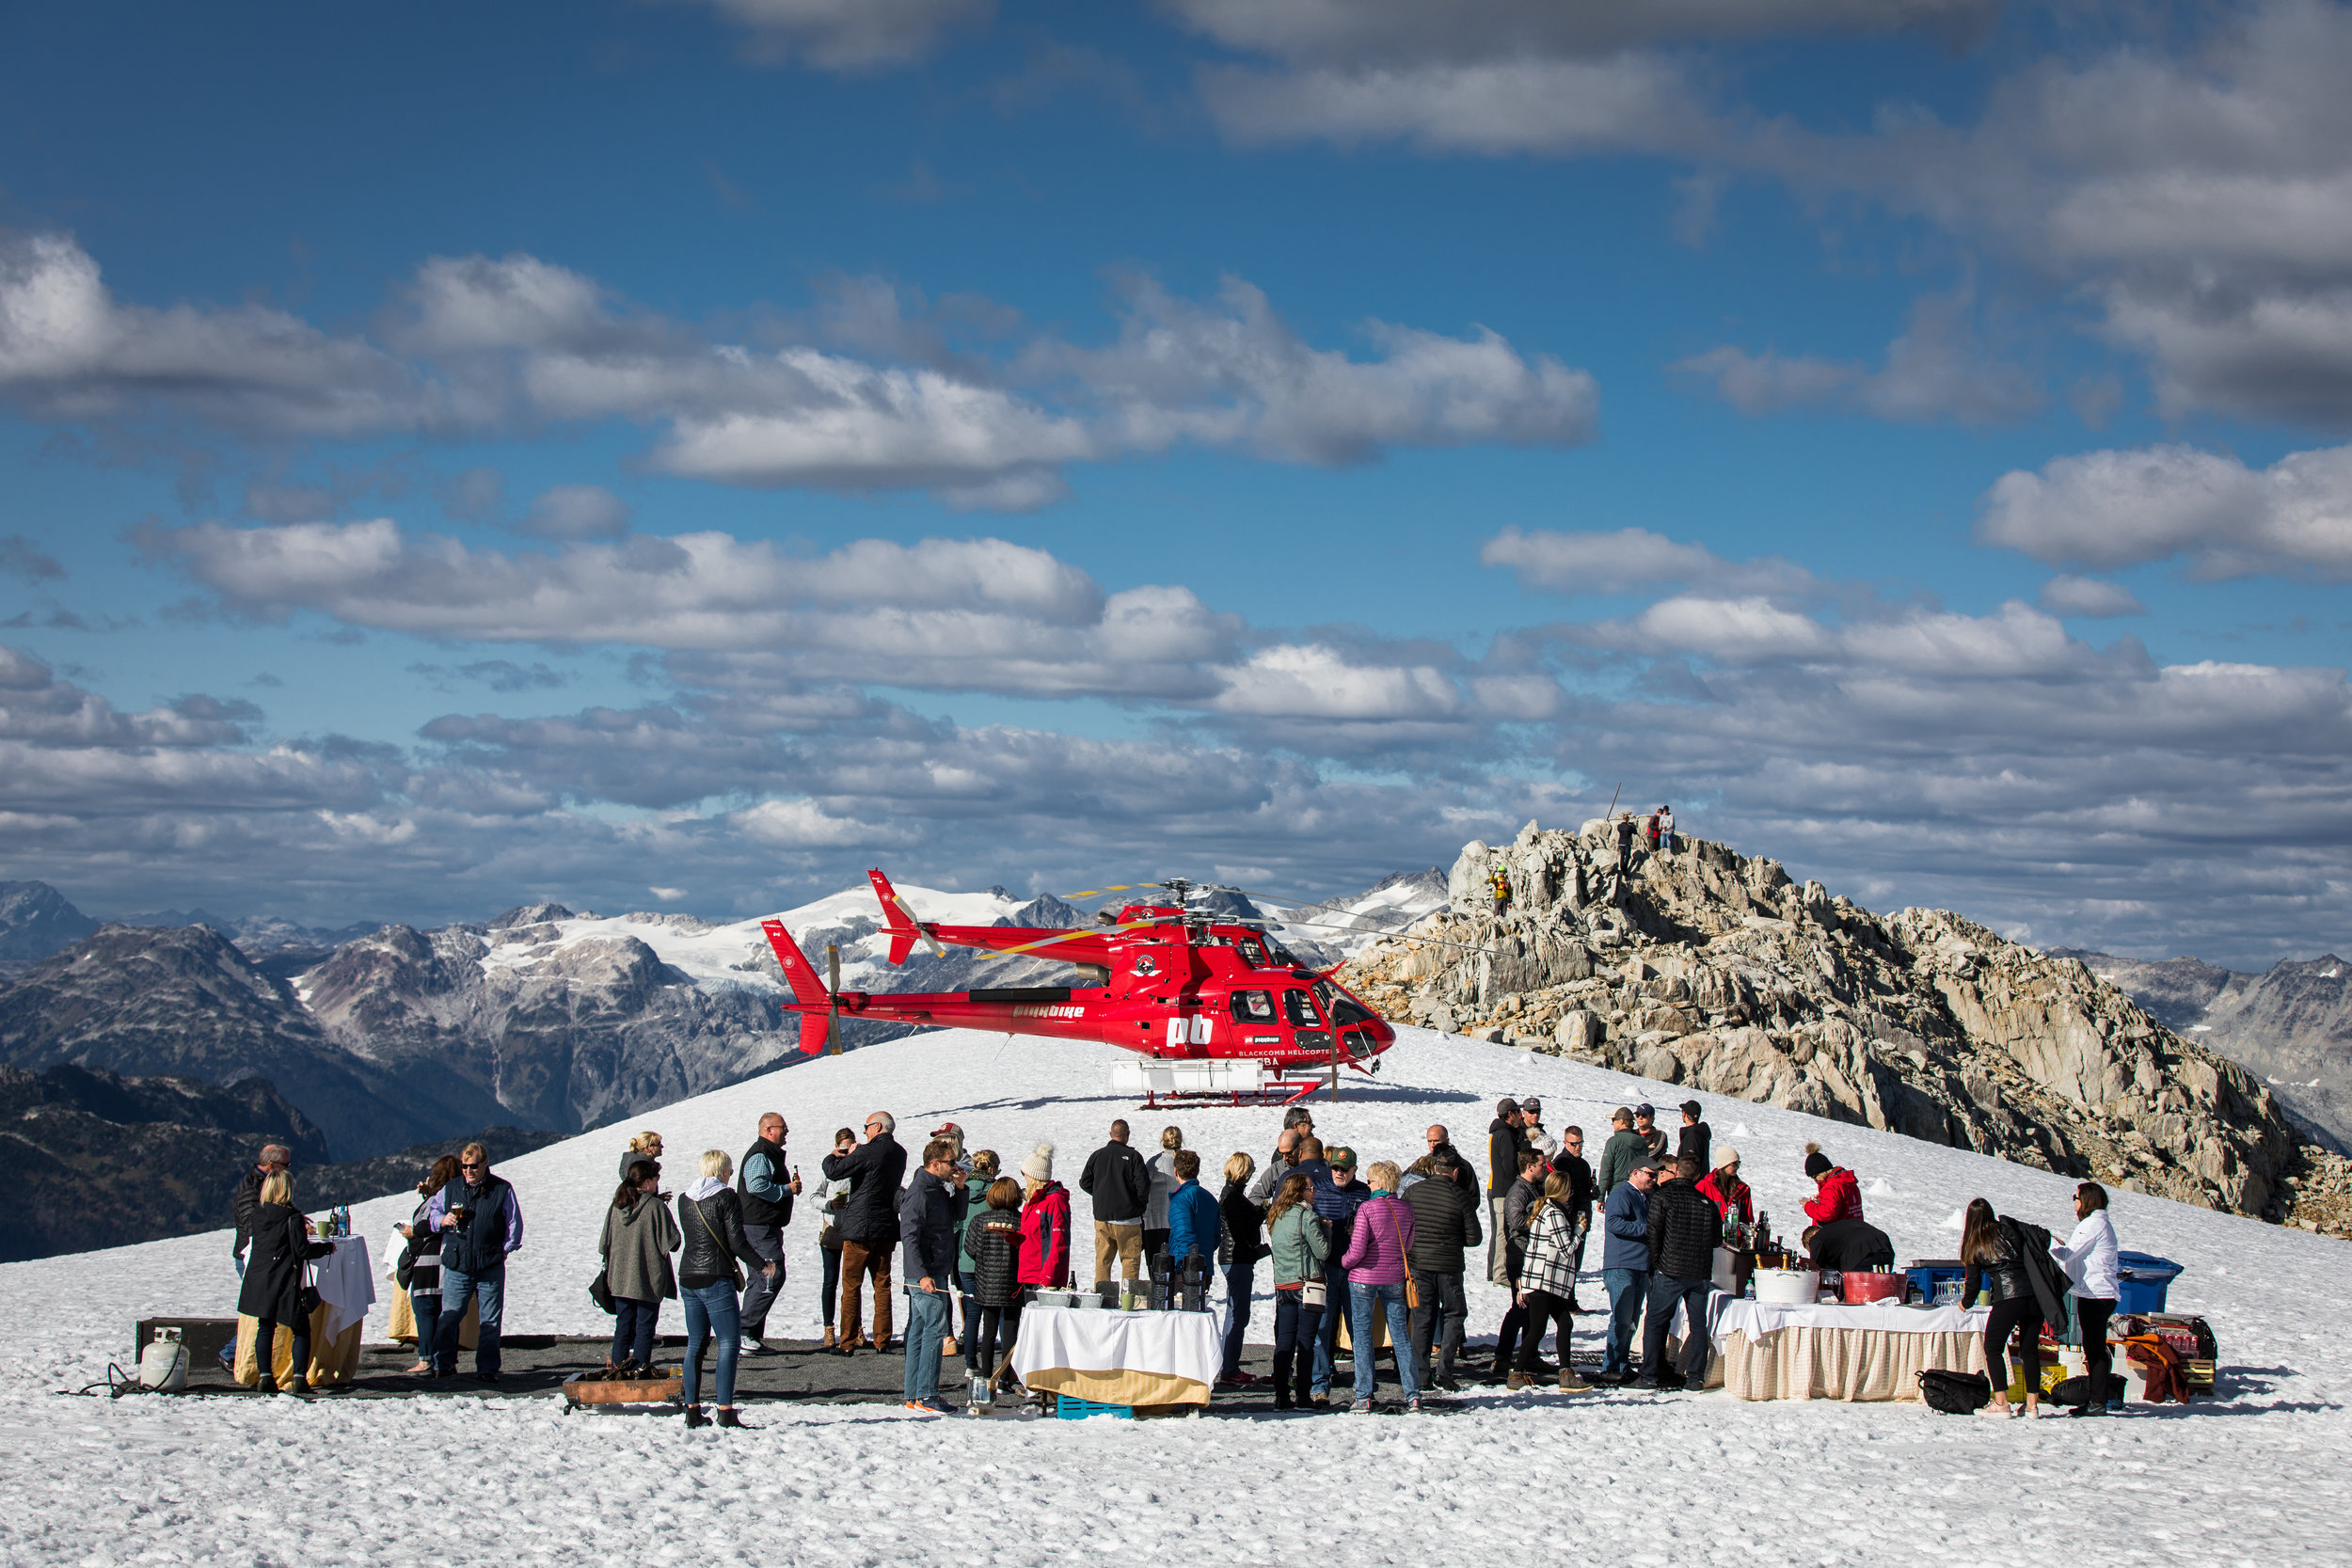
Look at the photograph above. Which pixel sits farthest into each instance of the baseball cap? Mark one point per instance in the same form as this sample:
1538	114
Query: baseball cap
1692	1108
1341	1158
1646	1109
1531	1103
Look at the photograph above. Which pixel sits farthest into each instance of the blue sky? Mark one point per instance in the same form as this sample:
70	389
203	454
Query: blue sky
452	456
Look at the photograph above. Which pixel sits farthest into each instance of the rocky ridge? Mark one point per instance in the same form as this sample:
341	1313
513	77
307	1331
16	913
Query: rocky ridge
1715	970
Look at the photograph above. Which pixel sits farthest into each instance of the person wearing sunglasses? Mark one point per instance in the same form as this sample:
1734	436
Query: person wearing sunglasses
479	1223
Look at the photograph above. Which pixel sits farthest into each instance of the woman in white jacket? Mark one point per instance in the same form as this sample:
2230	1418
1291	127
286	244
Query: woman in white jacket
2092	1261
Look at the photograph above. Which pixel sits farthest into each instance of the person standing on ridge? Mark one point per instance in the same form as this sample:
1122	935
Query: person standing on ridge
1120	1183
766	1186
868	1226
1499	889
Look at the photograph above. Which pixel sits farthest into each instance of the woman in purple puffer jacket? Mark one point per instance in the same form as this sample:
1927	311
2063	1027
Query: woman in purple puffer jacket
1374	1264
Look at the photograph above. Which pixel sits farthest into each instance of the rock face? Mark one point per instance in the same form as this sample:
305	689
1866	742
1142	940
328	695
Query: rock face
524	1025
183	1002
1709	969
2291	1026
35	922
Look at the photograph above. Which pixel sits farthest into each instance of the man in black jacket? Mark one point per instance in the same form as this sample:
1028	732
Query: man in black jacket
1445	1225
1120	1183
926	1224
868	1225
1683	1231
1504	1142
1848	1244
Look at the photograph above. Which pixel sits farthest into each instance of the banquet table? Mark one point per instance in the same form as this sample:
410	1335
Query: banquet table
1138	1358
346	1288
1769	1352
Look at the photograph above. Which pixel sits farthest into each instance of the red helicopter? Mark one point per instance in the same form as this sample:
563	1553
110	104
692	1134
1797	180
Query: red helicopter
1218	1006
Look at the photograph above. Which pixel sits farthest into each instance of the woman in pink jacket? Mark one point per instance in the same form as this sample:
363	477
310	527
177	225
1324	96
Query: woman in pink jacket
1375	1270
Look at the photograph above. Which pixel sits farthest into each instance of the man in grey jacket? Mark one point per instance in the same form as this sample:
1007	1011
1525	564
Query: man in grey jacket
927	1240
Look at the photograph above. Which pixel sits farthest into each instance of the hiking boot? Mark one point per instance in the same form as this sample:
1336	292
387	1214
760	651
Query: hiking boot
826	1343
694	1417
1516	1380
1571	1384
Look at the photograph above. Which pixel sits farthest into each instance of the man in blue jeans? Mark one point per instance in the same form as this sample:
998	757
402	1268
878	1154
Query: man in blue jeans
1625	1267
479	1223
927	1232
1684	1226
1337	1196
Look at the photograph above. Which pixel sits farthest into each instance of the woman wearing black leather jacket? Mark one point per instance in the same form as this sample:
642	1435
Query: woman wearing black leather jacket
712	1218
1995	1254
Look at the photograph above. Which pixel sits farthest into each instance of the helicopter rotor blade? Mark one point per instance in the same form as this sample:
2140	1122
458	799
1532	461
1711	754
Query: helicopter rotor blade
1116	887
1066	936
922	930
1381	932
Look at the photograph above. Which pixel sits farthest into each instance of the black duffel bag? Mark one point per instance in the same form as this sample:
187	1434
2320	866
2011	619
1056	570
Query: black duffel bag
1955	1393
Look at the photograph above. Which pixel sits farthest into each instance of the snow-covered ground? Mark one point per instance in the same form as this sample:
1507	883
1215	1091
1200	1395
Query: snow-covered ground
2258	1475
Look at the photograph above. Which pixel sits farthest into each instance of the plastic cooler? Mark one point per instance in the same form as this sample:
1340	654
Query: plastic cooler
2143	1279
1927	1272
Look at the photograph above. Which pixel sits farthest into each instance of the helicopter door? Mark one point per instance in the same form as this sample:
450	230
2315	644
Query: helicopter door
1301	1008
1255	1020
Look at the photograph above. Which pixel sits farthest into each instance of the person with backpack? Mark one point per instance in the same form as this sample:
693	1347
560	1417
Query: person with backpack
710	1221
639	1237
1299	1242
1379	1272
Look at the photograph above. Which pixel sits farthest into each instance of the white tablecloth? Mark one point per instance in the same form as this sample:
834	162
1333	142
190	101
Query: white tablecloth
1177	1345
1756	1318
347	1287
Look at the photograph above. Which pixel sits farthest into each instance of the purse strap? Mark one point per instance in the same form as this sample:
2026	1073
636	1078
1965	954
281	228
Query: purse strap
1397	1230
734	1274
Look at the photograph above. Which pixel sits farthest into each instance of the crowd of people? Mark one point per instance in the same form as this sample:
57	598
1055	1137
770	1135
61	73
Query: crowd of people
1361	1258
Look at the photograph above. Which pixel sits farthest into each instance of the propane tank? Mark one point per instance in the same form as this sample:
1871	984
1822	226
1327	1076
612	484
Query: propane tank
164	1364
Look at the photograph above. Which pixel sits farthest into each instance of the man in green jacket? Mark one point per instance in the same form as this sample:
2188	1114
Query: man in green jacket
1625	1146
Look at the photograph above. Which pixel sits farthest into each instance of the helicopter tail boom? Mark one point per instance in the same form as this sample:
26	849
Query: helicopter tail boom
809	997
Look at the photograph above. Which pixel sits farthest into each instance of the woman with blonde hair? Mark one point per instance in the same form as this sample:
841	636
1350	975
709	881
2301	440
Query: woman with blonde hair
644	1146
1547	1275
271	1294
1301	1244
1376	1271
1239	1252
710	1216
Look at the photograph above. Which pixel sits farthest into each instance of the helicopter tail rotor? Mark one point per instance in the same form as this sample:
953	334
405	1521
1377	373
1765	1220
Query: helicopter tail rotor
810	998
899	922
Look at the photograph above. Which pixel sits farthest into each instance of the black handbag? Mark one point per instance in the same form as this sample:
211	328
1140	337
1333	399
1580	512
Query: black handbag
1955	1393
600	1290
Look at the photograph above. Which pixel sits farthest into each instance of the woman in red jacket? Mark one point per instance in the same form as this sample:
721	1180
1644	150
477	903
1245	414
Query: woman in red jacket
1837	1195
1044	1222
1724	1188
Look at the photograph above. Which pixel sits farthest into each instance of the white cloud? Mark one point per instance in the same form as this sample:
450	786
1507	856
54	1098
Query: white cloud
1933	371
849	35
576	512
70	351
802	825
1627	559
497	347
2121	508
1315	681
2092	598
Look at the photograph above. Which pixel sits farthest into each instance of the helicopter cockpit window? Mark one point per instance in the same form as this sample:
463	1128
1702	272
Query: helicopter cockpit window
1253	1007
1302	1010
1345	1009
1252	952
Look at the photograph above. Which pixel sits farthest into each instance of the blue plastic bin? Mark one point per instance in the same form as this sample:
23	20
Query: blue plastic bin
1926	1274
2144	1278
1069	1407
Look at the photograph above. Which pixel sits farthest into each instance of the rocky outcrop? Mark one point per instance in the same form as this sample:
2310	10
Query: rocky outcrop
1710	969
